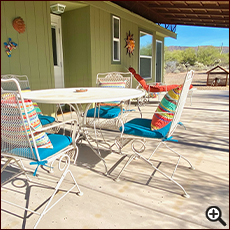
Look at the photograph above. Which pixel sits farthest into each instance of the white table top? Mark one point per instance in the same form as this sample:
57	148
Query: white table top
93	94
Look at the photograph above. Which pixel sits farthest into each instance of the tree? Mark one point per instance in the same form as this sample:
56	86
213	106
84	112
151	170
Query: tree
174	55
189	56
208	55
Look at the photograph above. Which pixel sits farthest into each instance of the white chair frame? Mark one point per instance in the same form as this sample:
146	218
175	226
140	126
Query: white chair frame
24	85
114	123
137	153
63	155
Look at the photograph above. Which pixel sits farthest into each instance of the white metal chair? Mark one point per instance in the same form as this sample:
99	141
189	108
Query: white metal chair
24	85
110	115
23	138
138	129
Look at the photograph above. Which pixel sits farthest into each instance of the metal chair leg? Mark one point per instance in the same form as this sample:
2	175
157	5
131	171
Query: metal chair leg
126	164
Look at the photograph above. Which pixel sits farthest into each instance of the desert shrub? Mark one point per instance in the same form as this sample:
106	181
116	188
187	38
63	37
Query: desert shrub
198	58
182	68
176	71
199	66
170	66
208	55
174	55
188	56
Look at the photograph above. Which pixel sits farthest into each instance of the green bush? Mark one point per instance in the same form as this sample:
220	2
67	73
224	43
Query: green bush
189	56
205	56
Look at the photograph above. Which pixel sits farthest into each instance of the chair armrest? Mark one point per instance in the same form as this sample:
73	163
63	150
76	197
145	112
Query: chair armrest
43	129
74	129
139	86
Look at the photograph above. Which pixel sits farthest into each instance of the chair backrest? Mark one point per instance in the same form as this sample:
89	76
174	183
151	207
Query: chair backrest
115	76
22	80
16	134
141	81
181	102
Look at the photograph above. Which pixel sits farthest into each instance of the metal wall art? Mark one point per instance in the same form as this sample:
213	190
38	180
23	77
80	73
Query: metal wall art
130	44
9	46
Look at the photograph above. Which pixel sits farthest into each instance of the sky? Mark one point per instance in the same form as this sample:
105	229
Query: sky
199	36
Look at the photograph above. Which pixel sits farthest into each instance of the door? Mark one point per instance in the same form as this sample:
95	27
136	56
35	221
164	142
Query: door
57	51
158	61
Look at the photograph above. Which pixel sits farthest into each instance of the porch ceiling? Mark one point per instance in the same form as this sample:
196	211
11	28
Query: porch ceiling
194	13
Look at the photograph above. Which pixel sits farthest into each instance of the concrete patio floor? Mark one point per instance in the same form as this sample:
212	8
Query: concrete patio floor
139	201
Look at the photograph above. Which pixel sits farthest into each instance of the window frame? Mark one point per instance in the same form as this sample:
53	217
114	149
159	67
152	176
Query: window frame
162	53
145	56
117	40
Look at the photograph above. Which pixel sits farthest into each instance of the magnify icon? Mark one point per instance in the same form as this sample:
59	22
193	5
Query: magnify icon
213	213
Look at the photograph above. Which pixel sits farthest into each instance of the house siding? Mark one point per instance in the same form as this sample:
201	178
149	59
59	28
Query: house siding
87	42
101	39
101	43
33	55
76	47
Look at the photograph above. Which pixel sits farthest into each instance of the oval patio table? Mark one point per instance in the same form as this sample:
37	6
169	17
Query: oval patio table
83	95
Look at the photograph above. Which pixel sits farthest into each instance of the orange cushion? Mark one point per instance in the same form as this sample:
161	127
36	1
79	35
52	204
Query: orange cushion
161	88
132	70
152	88
141	81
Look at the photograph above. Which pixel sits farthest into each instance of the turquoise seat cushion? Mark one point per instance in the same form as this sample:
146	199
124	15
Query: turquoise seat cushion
45	120
107	112
58	141
142	127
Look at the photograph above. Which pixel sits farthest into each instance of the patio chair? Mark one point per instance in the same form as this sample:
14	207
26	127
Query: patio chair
24	138
25	86
110	115
160	127
151	88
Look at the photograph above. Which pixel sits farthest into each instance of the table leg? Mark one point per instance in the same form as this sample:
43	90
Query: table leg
85	134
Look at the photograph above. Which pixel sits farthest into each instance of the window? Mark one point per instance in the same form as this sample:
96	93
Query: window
146	50
158	61
116	38
54	43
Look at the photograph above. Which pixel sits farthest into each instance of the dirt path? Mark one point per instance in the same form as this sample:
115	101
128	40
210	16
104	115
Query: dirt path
199	80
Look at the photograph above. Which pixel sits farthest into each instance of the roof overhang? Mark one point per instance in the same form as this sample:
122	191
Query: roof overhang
191	13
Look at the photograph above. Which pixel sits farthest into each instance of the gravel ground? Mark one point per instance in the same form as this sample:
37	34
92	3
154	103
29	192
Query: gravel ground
199	80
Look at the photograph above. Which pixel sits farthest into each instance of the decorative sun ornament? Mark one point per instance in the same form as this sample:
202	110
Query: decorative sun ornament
19	25
130	44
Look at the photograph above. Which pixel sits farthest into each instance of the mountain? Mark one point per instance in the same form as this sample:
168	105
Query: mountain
171	48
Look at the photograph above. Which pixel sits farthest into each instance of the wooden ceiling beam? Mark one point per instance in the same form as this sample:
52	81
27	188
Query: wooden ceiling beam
172	17
199	20
199	23
223	13
183	7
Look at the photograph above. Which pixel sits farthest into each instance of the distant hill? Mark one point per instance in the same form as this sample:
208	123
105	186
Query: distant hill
171	48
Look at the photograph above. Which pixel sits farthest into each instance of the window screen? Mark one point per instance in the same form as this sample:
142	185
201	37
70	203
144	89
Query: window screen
146	50
116	38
